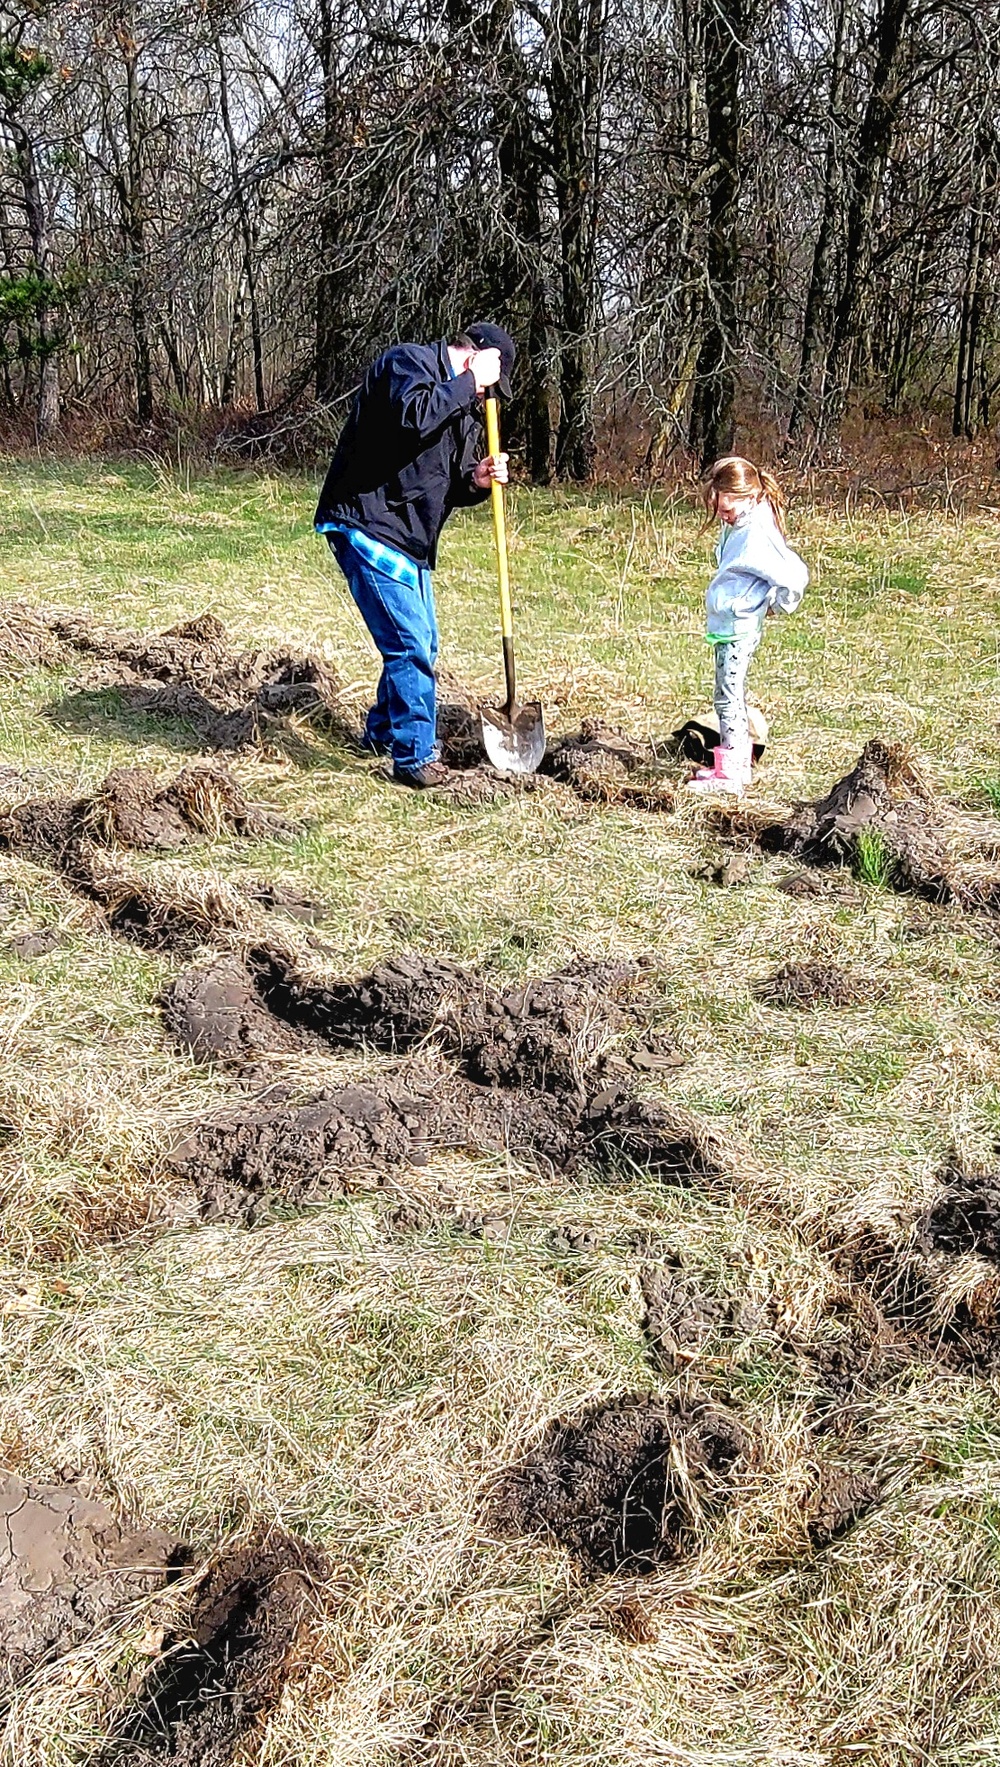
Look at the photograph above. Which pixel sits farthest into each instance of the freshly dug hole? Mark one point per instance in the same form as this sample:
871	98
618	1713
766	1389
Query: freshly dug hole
66	1568
558	1034
965	1217
225	1669
600	764
625	1486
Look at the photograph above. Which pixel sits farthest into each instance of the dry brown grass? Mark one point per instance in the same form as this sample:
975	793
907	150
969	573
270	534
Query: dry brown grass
362	1383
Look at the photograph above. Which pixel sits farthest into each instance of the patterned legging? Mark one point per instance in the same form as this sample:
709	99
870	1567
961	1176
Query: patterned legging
732	660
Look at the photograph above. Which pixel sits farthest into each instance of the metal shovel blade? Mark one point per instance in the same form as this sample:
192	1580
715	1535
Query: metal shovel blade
514	744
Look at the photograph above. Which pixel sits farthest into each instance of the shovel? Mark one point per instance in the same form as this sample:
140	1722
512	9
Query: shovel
514	736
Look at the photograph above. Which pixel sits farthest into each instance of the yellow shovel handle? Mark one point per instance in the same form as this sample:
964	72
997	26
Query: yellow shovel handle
500	536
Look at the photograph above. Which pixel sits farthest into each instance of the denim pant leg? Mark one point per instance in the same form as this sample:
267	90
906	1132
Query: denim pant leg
732	661
402	622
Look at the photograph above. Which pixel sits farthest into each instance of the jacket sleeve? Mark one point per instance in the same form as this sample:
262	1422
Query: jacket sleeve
761	552
463	492
422	402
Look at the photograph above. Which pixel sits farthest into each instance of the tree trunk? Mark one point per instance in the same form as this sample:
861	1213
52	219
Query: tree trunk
249	246
715	369
872	150
818	297
47	401
575	98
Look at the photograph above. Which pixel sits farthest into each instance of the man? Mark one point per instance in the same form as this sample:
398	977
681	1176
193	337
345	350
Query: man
406	458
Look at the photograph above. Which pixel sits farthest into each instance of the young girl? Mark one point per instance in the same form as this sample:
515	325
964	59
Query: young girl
758	574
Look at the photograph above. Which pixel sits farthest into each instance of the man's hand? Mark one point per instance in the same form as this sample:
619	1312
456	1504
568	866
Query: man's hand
493	467
485	365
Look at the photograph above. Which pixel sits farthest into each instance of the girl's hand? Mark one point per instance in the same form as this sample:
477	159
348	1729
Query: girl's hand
493	467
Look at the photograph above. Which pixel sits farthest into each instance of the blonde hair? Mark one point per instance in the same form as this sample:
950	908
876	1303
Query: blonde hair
741	478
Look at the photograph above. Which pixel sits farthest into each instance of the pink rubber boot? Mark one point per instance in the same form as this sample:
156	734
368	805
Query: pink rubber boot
730	772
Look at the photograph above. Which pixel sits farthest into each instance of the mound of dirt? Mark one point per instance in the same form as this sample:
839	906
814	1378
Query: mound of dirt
627	1485
271	1151
225	1670
129	809
805	985
884	820
192	673
605	766
216	1014
66	1566
244	1159
965	1217
556	1034
678	1316
841	1498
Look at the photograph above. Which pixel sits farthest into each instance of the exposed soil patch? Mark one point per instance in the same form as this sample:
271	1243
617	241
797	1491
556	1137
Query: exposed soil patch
628	1485
224	1671
601	764
558	1033
805	985
192	673
841	1498
965	1217
273	1151
66	1566
76	836
605	766
901	1289
37	943
678	1317
129	809
532	1081
884	820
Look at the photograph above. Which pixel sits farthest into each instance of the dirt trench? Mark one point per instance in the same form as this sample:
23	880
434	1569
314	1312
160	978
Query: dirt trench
80	839
564	1034
66	1568
537	1073
627	1485
224	1669
191	673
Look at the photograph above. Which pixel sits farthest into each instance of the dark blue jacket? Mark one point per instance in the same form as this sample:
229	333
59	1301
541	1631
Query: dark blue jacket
405	456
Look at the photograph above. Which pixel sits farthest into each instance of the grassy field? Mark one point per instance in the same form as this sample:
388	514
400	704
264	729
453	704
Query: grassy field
364	1388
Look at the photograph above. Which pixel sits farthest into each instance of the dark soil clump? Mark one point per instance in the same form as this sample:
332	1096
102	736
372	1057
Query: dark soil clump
625	1486
884	821
555	1034
841	1499
216	1014
66	1567
605	766
678	1317
130	810
965	1217
805	985
527	1063
225	1670
273	1151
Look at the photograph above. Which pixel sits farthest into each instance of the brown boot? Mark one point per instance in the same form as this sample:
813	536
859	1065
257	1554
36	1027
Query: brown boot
425	778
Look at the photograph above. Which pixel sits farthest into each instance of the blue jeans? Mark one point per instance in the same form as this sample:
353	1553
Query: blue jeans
403	624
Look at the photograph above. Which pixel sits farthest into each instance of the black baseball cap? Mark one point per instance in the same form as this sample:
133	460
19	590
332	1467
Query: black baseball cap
486	336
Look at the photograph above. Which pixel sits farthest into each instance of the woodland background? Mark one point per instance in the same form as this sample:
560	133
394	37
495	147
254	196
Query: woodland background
692	214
